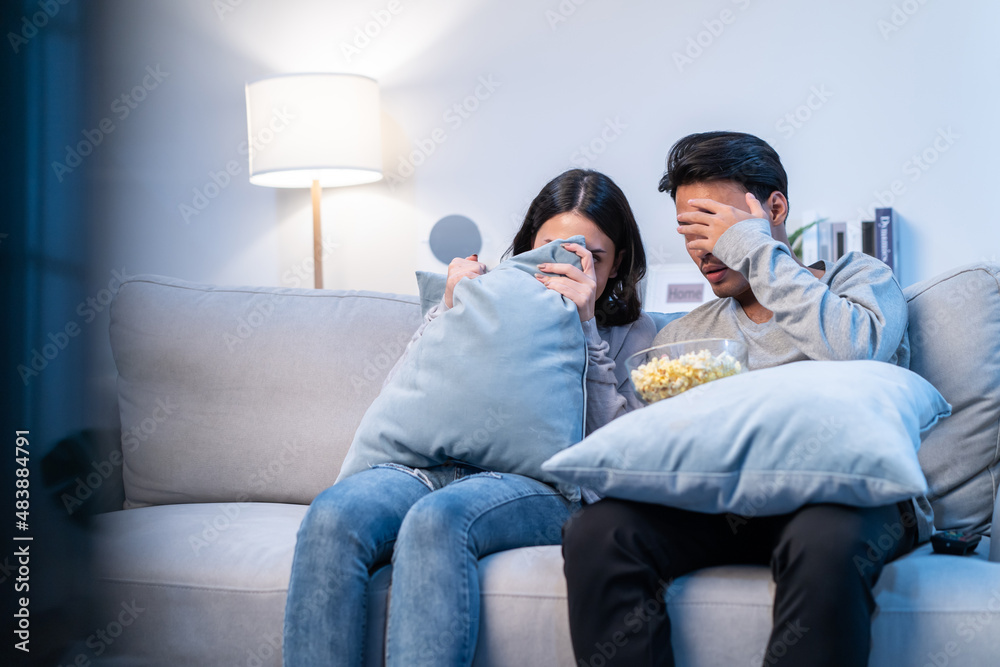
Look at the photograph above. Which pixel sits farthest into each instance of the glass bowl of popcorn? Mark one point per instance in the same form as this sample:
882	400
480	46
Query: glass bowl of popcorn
667	370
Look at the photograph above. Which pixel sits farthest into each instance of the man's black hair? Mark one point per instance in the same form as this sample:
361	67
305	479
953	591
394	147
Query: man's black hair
725	156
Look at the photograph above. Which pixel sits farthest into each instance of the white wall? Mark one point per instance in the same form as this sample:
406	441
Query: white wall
560	83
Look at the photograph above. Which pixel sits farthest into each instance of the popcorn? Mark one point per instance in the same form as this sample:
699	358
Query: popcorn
664	377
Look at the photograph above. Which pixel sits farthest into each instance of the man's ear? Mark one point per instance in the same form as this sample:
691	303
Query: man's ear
777	207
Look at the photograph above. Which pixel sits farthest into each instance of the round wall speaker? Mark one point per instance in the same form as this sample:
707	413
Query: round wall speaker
455	236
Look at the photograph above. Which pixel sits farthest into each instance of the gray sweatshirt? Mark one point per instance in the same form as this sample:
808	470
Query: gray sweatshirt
855	311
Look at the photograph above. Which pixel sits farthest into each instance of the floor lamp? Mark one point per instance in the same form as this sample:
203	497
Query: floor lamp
314	131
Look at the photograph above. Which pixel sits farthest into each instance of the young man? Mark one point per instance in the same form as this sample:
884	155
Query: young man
731	194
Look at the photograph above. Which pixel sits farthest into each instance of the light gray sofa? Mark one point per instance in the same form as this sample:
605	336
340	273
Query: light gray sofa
238	405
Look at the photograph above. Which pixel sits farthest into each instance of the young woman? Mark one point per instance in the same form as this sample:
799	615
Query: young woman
436	523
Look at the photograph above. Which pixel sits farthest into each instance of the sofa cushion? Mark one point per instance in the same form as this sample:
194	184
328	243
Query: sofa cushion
767	442
430	287
209	581
224	604
523	616
955	344
246	393
928	606
995	550
497	381
663	319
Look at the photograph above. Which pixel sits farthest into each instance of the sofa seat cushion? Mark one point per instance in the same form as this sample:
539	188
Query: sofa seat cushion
210	580
930	607
933	608
523	614
226	602
229	546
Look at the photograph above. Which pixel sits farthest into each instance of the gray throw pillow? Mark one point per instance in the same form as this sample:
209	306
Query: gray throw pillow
497	381
431	287
767	442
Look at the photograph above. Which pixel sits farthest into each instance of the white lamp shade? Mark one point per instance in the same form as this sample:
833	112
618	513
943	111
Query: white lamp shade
306	127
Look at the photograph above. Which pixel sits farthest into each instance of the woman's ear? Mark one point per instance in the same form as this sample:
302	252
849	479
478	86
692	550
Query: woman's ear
614	267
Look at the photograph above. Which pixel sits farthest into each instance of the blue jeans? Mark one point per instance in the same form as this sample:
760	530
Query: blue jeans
435	524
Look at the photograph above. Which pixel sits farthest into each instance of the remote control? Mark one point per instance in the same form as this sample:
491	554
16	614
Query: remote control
954	542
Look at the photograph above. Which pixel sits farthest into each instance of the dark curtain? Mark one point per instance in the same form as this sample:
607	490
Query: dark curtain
44	245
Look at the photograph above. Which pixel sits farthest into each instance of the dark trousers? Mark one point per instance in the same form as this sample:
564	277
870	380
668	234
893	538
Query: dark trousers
825	559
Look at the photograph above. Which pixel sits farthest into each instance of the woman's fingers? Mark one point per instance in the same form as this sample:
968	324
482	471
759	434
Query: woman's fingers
567	270
475	260
470	263
579	293
468	273
458	269
579	285
586	257
570	289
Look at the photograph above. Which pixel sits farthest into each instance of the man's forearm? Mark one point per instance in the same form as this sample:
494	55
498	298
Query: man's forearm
864	319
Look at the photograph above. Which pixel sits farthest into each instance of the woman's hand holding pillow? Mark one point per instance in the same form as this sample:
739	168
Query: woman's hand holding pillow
470	267
579	286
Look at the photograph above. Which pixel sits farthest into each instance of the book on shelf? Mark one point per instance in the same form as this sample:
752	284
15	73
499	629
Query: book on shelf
868	237
886	242
827	241
830	241
838	240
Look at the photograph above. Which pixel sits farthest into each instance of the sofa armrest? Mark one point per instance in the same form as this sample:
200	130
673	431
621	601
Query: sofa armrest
995	539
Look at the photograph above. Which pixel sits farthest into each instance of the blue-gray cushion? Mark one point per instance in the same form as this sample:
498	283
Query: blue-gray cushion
663	319
496	381
955	344
431	288
768	441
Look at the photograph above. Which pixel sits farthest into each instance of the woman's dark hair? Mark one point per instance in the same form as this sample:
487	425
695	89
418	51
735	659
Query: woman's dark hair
594	196
725	156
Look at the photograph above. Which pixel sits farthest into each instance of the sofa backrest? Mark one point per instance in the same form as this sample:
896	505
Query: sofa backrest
254	393
246	393
955	344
